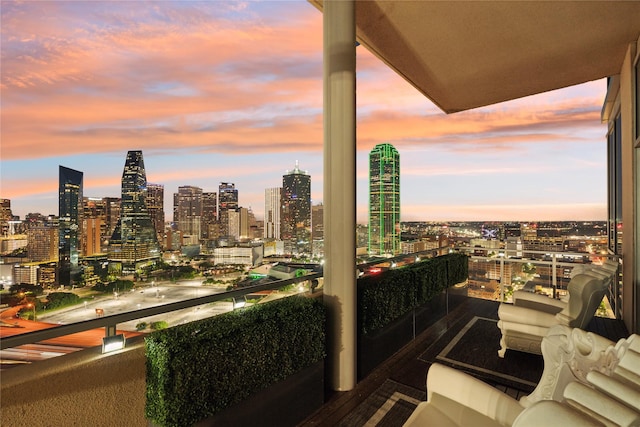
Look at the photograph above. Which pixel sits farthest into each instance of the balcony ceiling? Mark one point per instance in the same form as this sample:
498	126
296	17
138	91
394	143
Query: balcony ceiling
463	55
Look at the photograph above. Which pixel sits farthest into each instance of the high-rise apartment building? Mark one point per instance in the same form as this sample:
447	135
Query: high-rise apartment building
210	227
272	205
134	243
155	206
384	200
227	201
295	216
187	210
70	223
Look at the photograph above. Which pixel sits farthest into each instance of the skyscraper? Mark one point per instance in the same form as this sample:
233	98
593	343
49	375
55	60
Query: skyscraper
134	242
155	205
210	228
296	212
227	201
272	204
187	210
5	216
70	223
384	200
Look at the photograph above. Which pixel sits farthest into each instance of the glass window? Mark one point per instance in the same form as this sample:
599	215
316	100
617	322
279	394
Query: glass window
614	160
637	101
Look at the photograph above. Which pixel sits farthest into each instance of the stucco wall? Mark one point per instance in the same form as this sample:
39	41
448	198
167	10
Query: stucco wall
85	388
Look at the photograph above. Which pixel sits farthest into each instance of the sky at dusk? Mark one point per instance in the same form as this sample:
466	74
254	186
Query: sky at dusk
232	92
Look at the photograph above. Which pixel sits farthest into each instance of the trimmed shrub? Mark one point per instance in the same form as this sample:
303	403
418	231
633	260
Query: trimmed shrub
198	369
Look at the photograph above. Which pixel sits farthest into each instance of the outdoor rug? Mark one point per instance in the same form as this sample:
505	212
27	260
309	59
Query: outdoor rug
389	406
474	349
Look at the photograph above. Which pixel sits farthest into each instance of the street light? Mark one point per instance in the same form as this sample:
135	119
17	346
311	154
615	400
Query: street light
34	310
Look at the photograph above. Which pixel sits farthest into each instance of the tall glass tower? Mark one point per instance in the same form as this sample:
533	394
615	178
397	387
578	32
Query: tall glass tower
69	232
384	200
134	242
295	215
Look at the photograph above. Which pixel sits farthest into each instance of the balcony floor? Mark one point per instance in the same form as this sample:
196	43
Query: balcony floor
407	369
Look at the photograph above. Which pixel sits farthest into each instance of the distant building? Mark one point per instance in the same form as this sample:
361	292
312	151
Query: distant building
155	206
244	255
317	229
384	200
295	215
210	226
5	216
187	210
42	244
134	242
27	273
70	213
239	224
112	215
272	204
227	201
11	243
91	243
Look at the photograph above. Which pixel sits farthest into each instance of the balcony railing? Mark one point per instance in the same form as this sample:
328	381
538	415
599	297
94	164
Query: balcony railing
134	356
495	273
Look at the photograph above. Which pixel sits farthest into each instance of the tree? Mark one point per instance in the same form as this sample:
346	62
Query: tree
528	268
61	299
26	288
161	324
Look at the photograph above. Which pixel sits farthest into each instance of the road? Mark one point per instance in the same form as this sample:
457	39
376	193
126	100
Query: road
162	293
149	296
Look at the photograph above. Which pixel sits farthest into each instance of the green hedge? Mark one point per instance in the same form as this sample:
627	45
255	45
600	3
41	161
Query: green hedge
198	369
385	297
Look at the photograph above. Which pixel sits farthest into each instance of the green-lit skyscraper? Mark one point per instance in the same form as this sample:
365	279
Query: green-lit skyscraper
134	243
384	200
69	231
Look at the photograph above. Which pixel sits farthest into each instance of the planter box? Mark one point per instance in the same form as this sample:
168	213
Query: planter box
376	348
286	403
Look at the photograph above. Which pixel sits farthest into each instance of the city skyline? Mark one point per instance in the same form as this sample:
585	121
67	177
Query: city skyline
232	92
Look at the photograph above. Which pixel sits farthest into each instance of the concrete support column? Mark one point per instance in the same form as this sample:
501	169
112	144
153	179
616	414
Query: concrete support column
340	190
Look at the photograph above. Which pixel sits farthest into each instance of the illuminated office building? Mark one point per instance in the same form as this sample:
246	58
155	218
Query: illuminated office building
70	223
295	216
187	210
384	200
227	201
155	206
210	227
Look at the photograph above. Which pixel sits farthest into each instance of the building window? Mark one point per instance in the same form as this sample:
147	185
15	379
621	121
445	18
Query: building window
637	100
614	160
